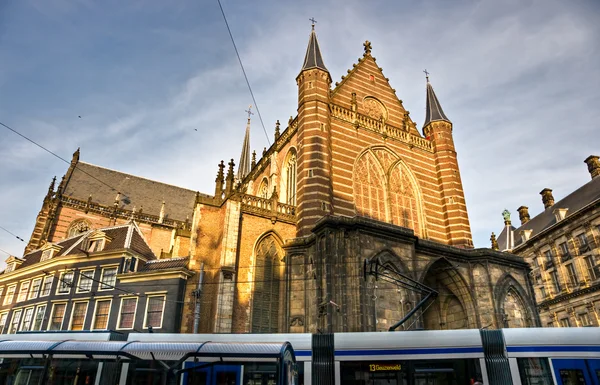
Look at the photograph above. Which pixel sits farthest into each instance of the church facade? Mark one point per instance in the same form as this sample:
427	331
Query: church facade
281	244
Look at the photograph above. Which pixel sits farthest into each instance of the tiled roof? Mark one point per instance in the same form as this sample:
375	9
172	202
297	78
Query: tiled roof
136	192
165	264
575	201
433	111
313	58
118	240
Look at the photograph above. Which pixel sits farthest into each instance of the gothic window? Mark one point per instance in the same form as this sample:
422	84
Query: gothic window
78	227
288	180
263	189
384	190
267	284
514	313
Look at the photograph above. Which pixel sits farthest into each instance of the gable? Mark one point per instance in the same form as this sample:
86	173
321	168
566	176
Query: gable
374	95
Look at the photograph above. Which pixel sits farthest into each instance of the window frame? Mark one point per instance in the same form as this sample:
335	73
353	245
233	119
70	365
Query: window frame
51	318
9	298
75	303
62	280
573	280
102	275
3	318
590	265
22	326
46	255
12	321
33	294
22	296
43	288
123	299
95	245
162	316
583	243
91	278
37	310
93	326
562	324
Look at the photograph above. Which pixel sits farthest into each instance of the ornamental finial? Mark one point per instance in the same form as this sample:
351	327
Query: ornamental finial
368	47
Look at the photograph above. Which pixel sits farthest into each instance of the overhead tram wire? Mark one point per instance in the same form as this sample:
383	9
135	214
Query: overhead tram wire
4	251
13	234
244	72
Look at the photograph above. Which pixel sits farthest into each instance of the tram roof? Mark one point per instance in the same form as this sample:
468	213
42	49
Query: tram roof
165	351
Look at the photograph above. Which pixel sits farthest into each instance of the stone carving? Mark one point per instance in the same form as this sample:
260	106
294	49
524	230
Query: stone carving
375	109
297	321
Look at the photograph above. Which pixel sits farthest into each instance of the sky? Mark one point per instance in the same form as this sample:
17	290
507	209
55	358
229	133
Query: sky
161	94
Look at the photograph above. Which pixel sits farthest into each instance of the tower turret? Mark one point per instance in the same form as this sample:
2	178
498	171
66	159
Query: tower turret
314	190
438	129
244	167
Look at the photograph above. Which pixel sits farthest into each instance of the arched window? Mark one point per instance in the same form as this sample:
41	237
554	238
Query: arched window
267	285
288	179
77	227
263	189
384	190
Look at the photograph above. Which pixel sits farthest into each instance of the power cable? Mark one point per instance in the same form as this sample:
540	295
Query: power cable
4	251
244	72
13	234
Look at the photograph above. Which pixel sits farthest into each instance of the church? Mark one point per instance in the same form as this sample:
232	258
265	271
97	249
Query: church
353	220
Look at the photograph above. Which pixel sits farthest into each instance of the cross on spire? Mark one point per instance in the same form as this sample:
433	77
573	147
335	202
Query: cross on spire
249	111
313	22
426	75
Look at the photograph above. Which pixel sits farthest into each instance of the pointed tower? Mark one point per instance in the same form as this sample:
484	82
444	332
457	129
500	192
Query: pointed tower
244	167
438	129
314	190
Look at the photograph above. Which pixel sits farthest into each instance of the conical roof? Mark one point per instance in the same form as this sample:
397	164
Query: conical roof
244	167
313	58
434	110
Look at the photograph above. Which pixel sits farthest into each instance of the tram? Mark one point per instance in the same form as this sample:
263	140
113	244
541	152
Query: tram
543	356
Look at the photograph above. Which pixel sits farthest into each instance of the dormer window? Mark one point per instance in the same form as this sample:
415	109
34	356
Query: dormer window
10	267
95	245
49	251
560	214
12	263
46	255
525	235
129	265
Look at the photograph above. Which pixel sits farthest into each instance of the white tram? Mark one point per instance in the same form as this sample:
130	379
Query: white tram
548	356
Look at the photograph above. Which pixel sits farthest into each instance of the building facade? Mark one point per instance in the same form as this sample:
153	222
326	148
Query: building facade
562	245
283	240
104	279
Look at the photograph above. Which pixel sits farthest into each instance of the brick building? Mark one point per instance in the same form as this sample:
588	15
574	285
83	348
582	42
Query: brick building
283	239
562	245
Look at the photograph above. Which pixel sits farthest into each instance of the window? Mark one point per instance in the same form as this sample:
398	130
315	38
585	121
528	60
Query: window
154	313
584	318
564	322
565	255
96	245
129	265
23	291
102	312
583	243
78	227
27	319
109	278
39	317
16	319
58	314
3	319
548	259
10	295
290	171
85	281
550	324
536	264
589	263
36	285
571	273
263	189
555	282
127	313
1	291
46	255
65	282
534	371
78	316
47	286
10	267
543	292
571	376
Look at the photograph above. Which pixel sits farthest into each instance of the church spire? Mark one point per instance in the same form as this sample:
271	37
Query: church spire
313	58
244	167
434	110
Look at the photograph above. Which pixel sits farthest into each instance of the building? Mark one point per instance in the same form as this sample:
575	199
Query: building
562	245
104	279
282	241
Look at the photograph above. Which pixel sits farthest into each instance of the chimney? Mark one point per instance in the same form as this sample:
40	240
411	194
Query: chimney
593	165
547	198
524	214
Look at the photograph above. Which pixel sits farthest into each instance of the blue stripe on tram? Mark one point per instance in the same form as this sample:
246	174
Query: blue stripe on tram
563	348
408	351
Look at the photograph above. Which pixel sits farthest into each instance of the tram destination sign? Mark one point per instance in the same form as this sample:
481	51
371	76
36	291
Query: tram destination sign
385	367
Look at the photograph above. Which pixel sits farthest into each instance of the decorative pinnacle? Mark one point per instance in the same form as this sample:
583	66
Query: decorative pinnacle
230	169
220	174
312	19
426	75
368	47
277	130
253	158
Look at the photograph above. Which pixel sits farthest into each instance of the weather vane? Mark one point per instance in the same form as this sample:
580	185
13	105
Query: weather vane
313	22
426	74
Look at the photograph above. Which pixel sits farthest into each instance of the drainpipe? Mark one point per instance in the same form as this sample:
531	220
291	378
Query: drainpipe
197	294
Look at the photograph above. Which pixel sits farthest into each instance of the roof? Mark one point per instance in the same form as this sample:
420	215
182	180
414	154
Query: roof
313	58
127	236
503	238
164	264
434	110
244	167
135	192
574	202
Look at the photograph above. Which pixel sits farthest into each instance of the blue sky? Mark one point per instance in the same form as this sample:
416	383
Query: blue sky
519	79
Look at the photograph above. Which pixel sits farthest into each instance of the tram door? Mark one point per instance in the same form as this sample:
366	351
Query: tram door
576	371
215	375
441	376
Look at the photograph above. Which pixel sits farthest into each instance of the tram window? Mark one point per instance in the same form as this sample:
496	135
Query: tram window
572	377
534	371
